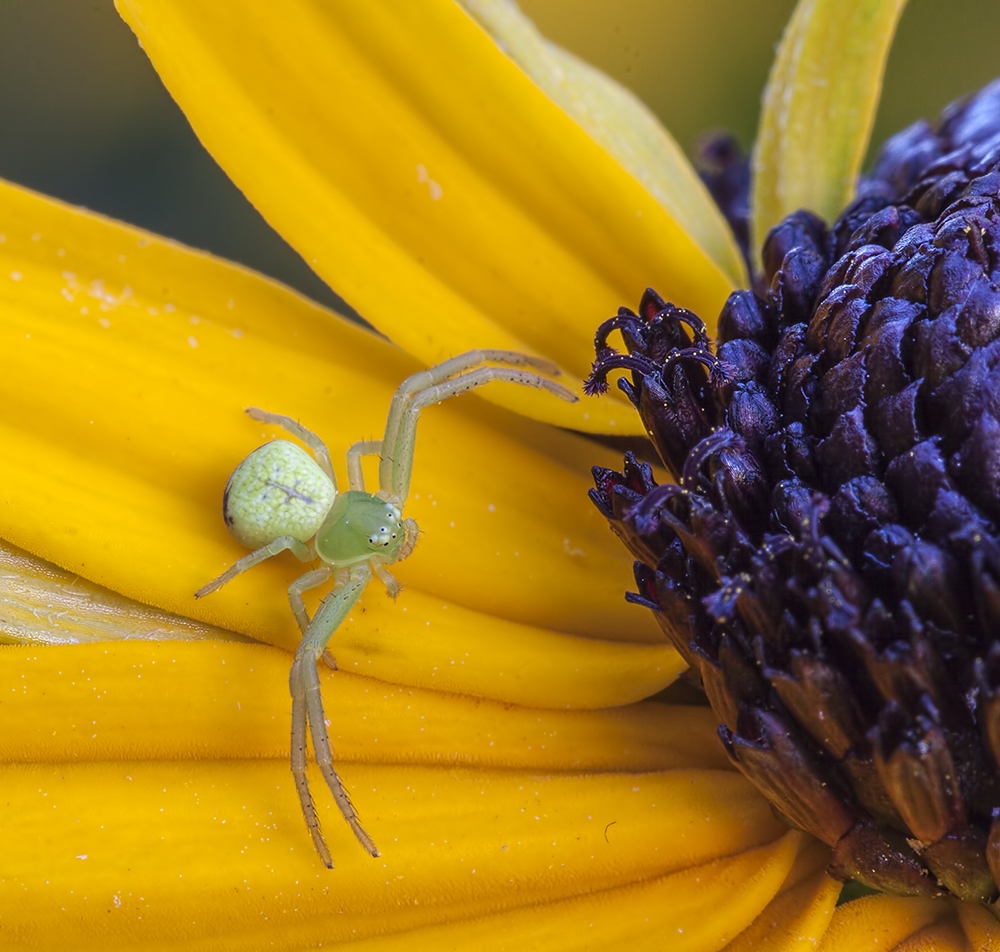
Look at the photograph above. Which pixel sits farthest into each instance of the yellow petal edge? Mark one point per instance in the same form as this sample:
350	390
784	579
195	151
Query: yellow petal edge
148	800
620	122
426	178
130	362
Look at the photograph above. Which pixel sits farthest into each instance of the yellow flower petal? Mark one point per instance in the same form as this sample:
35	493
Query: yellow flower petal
880	923
117	849
43	604
980	926
429	643
619	121
426	642
819	107
224	700
130	361
800	913
692	911
426	178
202	850
944	936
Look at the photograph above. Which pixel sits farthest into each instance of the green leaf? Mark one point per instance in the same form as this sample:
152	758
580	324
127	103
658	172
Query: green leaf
819	106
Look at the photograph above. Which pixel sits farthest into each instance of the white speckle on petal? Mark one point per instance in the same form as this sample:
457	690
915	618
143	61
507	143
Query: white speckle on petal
434	188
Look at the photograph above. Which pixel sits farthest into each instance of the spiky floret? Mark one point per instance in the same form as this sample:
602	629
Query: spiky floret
828	557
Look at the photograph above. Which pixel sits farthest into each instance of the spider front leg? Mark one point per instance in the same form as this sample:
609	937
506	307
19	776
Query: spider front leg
394	470
307	711
439	383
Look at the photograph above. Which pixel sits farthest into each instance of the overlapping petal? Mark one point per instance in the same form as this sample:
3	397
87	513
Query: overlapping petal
621	123
130	362
181	825
800	913
894	924
883	922
426	178
46	605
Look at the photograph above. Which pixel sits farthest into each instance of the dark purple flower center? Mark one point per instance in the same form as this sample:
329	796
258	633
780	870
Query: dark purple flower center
827	558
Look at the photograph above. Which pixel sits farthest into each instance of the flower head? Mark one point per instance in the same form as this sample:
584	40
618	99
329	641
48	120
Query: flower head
827	558
463	184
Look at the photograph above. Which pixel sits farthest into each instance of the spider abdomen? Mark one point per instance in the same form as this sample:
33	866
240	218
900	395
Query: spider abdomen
278	490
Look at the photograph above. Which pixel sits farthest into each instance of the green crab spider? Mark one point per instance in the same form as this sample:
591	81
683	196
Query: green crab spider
282	499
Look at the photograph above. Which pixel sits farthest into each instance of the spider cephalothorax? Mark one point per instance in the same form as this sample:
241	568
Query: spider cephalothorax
281	499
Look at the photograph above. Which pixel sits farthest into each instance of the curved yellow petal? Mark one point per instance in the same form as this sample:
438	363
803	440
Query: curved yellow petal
221	700
946	936
982	931
693	911
105	847
98	853
45	605
426	178
129	362
620	122
819	107
429	643
425	642
800	913
880	923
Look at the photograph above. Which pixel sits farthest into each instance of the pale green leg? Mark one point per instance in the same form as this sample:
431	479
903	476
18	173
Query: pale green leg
285	543
401	452
438	374
355	475
307	710
303	583
386	578
340	577
311	440
299	771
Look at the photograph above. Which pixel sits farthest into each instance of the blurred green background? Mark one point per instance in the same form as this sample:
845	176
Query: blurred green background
84	117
